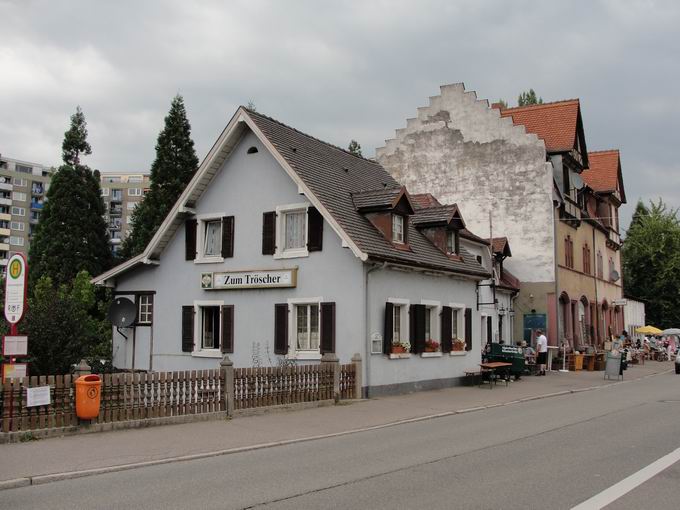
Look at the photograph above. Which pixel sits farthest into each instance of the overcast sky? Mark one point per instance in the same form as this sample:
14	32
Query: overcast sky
337	70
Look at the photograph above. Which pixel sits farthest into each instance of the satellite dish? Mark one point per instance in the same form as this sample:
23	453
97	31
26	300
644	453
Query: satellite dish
122	312
577	181
614	275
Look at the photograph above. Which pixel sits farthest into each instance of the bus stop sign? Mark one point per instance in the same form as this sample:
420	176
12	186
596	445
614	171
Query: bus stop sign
15	288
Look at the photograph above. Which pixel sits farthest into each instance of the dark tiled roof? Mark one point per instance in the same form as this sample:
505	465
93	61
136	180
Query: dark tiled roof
556	123
375	198
424	200
466	234
434	215
333	175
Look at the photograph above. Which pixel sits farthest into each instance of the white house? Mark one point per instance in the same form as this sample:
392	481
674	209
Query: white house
285	247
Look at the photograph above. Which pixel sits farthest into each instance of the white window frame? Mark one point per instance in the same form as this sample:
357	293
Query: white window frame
16	241
135	178
19	226
403	315
293	352
137	192
281	211
434	308
20	211
131	206
19	196
395	223
199	352
202	220
145	311
105	192
20	182
459	309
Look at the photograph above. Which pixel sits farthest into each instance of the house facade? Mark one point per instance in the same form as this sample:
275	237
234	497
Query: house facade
283	249
525	173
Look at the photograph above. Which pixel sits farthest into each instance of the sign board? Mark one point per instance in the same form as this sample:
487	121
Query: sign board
15	288
38	396
620	302
613	367
257	279
376	343
14	345
14	370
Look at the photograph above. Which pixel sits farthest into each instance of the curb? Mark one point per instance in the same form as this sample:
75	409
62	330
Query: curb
68	475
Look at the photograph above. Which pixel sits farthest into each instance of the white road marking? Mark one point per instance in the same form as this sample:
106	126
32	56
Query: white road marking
626	485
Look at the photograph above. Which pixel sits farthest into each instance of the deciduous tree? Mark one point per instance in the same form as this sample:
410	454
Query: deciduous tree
529	98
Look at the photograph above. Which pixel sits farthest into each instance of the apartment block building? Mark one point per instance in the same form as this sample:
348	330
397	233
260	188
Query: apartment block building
23	186
122	191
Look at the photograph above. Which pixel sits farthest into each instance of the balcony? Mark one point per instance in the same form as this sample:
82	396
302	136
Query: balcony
5	216
115	211
117	197
5	201
4	246
37	190
6	186
37	205
116	240
613	239
4	232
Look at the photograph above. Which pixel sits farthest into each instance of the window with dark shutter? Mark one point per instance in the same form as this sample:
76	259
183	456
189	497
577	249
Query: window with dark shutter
314	229
190	239
228	328
228	236
417	327
327	332
187	329
468	329
447	318
269	233
389	328
281	328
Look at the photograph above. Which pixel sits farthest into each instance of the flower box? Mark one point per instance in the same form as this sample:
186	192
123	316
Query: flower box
457	353
400	355
431	354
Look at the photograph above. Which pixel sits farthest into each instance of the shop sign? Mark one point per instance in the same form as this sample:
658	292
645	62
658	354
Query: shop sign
620	302
256	279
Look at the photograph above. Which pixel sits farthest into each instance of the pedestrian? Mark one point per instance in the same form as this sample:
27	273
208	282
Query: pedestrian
542	349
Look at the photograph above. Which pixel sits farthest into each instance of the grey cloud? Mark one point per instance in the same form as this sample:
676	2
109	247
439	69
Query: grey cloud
338	70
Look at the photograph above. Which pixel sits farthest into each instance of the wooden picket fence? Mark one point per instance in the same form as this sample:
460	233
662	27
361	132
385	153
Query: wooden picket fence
144	396
124	397
347	380
270	386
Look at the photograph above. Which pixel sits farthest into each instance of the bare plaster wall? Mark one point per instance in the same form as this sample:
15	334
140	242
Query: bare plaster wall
462	151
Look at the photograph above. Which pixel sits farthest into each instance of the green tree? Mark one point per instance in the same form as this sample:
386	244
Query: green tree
529	98
65	324
651	262
173	168
71	235
354	148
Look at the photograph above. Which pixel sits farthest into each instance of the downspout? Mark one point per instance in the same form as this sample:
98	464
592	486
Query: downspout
367	323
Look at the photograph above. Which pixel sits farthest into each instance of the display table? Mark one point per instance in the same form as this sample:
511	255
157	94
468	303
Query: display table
589	362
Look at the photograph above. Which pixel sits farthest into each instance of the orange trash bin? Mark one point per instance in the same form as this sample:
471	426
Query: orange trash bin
88	396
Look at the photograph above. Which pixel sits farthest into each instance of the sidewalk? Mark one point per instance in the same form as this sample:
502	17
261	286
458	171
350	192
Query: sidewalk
106	449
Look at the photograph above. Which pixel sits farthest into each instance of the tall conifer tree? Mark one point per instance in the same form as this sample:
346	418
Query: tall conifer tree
173	168
71	235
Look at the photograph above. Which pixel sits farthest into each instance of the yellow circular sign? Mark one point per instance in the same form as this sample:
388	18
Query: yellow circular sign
15	269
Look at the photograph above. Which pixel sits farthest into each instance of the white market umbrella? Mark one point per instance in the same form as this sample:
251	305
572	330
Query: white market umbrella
671	331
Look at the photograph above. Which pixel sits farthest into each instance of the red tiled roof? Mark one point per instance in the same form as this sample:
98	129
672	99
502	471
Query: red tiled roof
424	200
603	173
556	123
500	245
508	280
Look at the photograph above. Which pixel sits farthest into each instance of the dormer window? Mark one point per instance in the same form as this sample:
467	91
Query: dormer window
397	228
452	242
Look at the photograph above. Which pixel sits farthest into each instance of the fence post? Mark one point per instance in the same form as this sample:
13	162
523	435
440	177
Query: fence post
358	375
82	368
227	368
332	360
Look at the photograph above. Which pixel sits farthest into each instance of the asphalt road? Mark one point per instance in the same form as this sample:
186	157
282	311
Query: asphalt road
550	453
